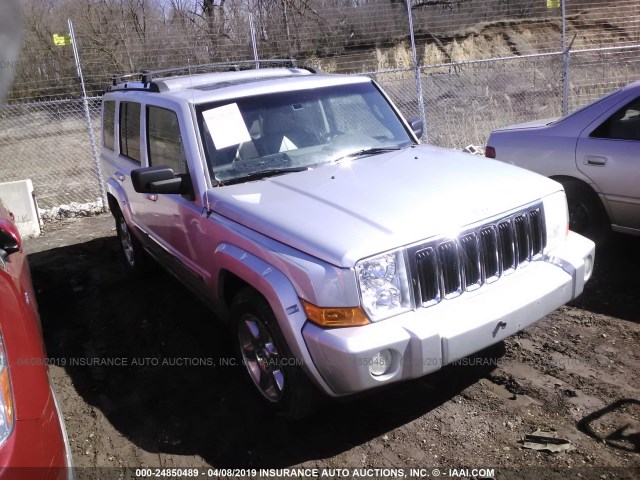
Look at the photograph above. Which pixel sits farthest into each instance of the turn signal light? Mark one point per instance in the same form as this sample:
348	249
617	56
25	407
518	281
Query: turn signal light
335	317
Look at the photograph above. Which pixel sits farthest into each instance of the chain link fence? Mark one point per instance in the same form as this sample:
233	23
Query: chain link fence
466	67
48	142
466	101
594	73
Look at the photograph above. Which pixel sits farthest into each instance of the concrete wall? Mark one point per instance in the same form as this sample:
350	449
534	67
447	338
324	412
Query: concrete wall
18	198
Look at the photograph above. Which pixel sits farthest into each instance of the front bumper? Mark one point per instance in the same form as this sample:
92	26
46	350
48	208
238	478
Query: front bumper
68	459
423	340
38	447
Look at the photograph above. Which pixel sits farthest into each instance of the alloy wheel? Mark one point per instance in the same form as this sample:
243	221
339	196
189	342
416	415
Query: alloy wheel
126	241
261	357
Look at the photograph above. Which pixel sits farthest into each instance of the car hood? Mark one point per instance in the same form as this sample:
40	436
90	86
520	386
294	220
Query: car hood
344	212
533	124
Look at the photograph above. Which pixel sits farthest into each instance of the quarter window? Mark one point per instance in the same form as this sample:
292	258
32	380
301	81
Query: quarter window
108	128
165	141
130	130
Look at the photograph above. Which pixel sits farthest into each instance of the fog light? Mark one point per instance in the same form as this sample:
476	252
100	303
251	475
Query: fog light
588	267
380	363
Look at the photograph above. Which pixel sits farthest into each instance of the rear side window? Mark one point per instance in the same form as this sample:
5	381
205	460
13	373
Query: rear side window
108	128
130	130
165	141
622	125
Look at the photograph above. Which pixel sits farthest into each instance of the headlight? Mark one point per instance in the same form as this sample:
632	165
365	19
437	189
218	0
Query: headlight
6	399
384	286
556	216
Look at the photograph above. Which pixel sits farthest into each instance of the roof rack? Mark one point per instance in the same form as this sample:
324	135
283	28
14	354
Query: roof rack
147	76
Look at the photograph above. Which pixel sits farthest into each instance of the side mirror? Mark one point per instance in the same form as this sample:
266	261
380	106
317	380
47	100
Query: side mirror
158	180
9	240
417	125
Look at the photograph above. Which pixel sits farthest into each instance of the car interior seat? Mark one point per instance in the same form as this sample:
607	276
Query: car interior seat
281	132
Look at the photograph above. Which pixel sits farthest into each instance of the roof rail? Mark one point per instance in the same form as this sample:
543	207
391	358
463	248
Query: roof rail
147	76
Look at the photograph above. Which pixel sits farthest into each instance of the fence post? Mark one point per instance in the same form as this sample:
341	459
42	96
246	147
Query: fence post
565	63
254	42
87	115
416	67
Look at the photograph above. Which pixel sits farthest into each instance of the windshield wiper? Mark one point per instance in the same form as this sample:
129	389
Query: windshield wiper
368	151
271	172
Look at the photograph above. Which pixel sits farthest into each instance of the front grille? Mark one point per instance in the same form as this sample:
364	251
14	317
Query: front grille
447	268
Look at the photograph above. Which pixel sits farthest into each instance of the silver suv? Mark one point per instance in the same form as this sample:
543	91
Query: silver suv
343	254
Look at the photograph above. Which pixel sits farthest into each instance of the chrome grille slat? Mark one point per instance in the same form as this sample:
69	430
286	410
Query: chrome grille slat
450	268
490	255
522	238
507	247
428	276
538	237
469	249
445	269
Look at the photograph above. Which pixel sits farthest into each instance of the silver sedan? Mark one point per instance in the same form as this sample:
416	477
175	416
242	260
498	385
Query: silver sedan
594	153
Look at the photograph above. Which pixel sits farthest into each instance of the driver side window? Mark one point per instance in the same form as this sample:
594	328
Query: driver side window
622	125
165	142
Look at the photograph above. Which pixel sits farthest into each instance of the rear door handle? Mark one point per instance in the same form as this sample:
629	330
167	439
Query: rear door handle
151	196
119	176
595	160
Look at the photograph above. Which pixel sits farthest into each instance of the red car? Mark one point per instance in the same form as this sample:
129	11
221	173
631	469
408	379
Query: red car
32	432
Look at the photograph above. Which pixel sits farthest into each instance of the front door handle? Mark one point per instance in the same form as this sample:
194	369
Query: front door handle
151	196
596	160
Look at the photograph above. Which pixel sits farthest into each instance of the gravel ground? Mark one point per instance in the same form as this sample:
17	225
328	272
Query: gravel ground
574	374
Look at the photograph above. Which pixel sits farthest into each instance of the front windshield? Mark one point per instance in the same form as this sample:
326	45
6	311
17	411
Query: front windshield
296	130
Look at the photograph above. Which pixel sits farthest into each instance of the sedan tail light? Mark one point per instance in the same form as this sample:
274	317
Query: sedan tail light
490	152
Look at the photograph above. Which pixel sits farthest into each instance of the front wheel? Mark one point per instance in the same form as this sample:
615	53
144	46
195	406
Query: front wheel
274	373
587	216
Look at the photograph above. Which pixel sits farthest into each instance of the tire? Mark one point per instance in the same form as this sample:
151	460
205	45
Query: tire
587	215
136	261
260	348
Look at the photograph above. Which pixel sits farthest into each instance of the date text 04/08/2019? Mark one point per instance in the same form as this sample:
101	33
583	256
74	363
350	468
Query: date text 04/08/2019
315	473
353	473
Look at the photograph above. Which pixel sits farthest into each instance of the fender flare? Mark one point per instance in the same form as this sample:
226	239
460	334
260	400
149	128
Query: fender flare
115	191
120	195
276	288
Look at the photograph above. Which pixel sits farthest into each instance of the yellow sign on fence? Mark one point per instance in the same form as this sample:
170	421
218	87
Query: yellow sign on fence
61	40
553	3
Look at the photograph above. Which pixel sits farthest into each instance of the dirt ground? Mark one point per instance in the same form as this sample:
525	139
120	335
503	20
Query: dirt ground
574	374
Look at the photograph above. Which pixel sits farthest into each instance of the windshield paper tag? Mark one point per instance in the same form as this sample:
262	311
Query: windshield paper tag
226	126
